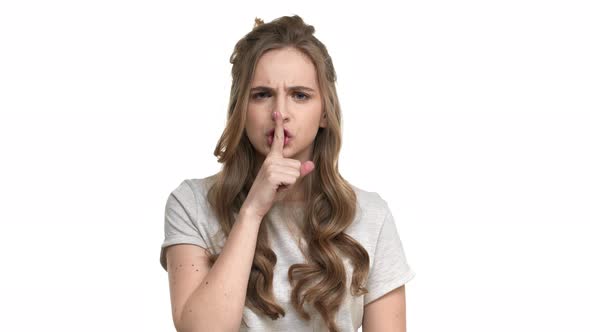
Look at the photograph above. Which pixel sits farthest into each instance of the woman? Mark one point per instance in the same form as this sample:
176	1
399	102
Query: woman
278	240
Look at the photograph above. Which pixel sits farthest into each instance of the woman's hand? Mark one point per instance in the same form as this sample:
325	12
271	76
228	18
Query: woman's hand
276	174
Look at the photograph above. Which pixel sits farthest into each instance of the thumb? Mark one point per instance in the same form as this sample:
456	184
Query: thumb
307	167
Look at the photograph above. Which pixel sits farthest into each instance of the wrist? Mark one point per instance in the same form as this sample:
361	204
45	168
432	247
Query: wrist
249	215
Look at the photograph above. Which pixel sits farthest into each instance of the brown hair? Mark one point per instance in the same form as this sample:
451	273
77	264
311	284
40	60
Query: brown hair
330	201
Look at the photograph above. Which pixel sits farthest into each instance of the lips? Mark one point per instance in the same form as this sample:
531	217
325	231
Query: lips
270	137
287	133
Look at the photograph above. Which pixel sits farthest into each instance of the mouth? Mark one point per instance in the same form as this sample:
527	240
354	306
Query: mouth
271	135
287	133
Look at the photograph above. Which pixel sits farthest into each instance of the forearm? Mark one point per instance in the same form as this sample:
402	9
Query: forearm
218	303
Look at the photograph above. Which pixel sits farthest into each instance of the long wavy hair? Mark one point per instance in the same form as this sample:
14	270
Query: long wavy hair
330	201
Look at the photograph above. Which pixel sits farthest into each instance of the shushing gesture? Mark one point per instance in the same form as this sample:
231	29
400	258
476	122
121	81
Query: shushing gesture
276	174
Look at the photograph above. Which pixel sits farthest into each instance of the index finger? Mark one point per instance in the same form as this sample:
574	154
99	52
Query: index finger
279	136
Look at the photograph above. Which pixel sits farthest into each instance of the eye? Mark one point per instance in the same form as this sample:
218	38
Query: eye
299	95
302	94
257	94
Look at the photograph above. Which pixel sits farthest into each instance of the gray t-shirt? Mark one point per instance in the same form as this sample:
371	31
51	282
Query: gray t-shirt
188	219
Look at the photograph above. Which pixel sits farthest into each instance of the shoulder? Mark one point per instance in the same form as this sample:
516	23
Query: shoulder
370	202
371	212
191	195
195	187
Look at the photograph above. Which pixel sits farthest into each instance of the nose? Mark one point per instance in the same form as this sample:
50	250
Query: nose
284	115
281	106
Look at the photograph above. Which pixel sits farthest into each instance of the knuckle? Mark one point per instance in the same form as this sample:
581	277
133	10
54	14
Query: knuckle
274	178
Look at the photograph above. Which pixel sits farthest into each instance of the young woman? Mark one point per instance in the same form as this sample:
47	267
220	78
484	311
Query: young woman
278	240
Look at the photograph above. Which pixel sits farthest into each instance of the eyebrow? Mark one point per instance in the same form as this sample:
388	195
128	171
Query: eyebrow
291	88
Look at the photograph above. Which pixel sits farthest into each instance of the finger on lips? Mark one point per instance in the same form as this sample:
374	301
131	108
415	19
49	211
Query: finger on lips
278	134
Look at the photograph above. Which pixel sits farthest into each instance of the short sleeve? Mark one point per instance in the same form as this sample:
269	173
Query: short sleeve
390	268
181	213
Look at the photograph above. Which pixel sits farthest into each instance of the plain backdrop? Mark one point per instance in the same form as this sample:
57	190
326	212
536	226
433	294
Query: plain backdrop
471	118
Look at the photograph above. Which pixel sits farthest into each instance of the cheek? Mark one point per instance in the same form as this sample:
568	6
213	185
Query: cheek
254	123
251	117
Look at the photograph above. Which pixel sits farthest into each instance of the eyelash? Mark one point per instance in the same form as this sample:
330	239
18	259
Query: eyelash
299	93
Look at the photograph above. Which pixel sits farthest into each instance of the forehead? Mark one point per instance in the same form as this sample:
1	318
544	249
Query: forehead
285	66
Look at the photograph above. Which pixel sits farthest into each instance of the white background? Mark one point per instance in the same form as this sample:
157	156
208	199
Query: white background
470	118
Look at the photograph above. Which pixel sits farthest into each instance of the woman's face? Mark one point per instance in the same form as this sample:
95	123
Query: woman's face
271	90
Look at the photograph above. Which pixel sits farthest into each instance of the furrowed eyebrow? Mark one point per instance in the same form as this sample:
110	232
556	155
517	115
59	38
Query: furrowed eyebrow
291	88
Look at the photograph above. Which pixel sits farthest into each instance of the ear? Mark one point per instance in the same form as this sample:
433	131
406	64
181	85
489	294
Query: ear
324	120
